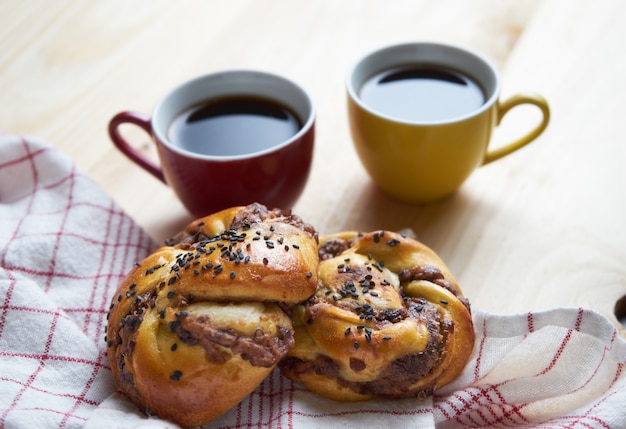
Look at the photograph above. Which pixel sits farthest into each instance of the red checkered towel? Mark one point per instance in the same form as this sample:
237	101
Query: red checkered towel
65	245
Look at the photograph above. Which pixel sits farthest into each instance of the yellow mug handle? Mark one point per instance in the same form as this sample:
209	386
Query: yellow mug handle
503	108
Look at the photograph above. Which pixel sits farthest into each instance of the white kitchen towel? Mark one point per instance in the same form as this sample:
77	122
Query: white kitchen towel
65	245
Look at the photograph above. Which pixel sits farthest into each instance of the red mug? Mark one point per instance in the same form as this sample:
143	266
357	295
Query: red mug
205	182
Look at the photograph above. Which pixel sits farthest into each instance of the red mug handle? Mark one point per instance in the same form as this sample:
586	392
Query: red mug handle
143	122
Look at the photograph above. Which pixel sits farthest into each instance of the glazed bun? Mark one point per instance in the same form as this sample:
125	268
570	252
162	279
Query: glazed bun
197	325
388	320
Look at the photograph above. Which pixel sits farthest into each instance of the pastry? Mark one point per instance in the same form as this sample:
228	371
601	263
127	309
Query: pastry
388	320
200	323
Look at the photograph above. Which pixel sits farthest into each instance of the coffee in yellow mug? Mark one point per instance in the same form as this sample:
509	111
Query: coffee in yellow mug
422	116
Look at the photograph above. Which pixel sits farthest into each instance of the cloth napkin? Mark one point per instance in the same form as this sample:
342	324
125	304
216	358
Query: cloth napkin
65	245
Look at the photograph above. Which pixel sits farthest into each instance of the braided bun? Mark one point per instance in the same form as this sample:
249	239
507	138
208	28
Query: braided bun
198	325
387	320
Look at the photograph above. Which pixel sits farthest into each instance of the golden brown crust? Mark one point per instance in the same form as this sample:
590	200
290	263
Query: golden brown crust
198	324
388	320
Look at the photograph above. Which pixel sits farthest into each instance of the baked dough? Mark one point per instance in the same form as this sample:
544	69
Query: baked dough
199	324
388	320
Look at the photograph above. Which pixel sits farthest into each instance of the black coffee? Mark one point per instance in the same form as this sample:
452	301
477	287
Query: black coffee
233	126
420	93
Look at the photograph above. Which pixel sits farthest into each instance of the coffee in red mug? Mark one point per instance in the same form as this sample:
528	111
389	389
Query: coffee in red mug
227	139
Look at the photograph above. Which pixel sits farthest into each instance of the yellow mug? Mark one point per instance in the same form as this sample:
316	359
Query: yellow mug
422	115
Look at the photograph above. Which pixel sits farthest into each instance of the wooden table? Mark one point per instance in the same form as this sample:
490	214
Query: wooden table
543	228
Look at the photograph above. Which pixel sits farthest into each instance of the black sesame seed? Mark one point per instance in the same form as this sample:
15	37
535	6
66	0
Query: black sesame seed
443	301
309	274
347	331
174	347
176	375
356	344
387	338
170	294
173	325
233	274
265	261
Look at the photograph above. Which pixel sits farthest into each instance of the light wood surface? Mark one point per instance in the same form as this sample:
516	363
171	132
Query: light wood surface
542	228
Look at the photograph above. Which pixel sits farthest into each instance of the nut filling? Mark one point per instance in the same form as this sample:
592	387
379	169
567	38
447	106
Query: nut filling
262	349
